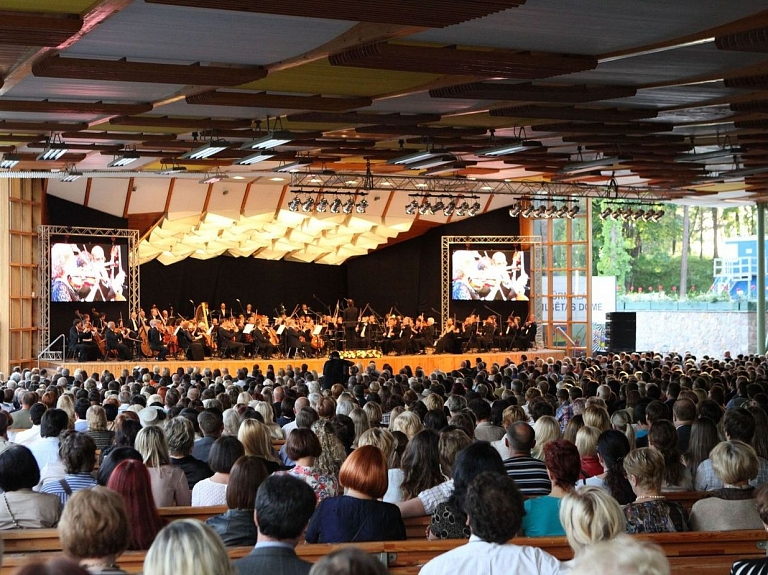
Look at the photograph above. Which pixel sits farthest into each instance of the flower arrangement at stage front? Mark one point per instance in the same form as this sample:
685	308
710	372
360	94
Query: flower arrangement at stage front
361	354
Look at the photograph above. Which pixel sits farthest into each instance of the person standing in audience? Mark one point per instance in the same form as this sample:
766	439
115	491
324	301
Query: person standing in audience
94	530
494	507
732	507
284	505
651	512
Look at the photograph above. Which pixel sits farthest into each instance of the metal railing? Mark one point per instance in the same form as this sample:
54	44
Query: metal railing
49	354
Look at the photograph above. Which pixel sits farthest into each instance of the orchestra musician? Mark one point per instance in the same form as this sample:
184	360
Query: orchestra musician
86	348
156	339
262	342
528	333
229	340
426	334
191	343
114	338
509	334
447	340
402	344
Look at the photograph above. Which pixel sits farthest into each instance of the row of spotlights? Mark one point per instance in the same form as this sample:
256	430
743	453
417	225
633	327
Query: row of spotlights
323	205
544	212
630	214
427	208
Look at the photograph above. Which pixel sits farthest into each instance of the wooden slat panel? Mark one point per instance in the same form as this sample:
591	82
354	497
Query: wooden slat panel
265	100
55	66
533	93
48	107
356	118
427	13
30	29
576	114
449	60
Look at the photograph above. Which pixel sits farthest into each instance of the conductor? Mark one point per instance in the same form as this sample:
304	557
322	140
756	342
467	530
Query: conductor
350	316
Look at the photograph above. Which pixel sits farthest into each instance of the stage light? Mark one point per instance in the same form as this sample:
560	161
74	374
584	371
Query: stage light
474	209
658	215
550	212
606	213
639	214
527	212
362	206
411	207
462	209
322	205
514	211
9	161
349	205
336	206
206	151
308	204
539	212
561	213
572	212
448	210
293	205
439	205
425	207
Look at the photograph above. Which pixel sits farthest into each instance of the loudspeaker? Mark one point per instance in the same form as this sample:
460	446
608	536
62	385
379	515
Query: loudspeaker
621	331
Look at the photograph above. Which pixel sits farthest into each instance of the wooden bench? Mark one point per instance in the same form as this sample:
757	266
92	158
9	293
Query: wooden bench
708	553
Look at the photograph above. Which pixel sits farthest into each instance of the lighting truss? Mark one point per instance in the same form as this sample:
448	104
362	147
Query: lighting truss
308	203
445	203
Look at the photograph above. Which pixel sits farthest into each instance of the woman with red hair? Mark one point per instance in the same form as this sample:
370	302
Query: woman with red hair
542	514
131	480
358	515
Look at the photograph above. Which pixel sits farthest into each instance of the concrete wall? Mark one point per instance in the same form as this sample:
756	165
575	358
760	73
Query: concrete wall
701	333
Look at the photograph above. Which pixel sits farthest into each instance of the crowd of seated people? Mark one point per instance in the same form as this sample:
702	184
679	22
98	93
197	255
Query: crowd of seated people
587	448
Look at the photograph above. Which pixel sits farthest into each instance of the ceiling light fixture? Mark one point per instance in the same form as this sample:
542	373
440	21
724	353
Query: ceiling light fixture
349	205
271	140
206	150
293	166
213	177
362	206
173	169
322	205
336	206
308	204
53	151
9	161
512	147
71	175
123	159
713	155
413	158
432	162
253	159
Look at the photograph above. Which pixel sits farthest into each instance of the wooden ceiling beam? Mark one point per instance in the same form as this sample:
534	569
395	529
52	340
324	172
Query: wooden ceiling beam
355	118
55	66
124	136
575	114
529	92
286	101
183	123
12	125
468	62
49	107
37	29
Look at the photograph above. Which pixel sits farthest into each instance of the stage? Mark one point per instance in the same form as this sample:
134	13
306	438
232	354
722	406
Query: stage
429	363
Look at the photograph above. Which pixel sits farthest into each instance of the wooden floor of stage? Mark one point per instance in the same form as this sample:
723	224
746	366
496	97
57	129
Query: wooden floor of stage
429	362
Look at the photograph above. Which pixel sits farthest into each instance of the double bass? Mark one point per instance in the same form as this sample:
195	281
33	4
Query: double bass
144	338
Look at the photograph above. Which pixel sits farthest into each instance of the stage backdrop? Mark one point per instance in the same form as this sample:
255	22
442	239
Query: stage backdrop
405	275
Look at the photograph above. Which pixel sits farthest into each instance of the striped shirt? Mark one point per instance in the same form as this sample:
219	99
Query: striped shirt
74	482
529	474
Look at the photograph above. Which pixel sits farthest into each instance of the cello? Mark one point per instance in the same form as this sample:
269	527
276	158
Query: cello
144	338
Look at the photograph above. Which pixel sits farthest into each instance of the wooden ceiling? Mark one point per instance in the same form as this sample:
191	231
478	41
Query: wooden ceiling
359	80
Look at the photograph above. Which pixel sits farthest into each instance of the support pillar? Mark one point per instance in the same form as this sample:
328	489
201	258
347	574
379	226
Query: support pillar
760	284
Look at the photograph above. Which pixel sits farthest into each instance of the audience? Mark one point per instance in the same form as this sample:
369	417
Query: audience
197	550
358	515
588	516
494	507
349	561
180	434
212	490
663	437
77	451
530	474
303	447
169	484
612	448
23	508
624	555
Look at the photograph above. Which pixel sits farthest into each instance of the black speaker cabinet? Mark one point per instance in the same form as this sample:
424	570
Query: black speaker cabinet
621	331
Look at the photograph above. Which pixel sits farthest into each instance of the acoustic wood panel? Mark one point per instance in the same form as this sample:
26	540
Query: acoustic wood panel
286	101
758	82
759	106
124	136
9	126
357	118
575	114
55	66
420	131
533	93
466	62
424	13
183	123
750	41
31	29
48	107
636	128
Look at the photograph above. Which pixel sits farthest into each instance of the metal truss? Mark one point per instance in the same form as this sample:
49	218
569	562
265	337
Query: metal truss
536	267
44	279
349	182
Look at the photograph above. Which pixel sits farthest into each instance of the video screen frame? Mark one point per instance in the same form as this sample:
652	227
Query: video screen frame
490	273
89	271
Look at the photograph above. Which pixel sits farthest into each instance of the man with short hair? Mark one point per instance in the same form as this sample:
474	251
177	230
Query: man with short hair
27	436
485	430
212	425
683	415
21	418
283	507
494	508
529	473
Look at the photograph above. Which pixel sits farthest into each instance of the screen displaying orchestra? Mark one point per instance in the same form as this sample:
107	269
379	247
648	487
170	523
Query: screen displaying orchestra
82	272
500	275
227	333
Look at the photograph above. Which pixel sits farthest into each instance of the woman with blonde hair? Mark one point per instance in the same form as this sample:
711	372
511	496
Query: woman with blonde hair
546	429
623	554
590	515
169	484
374	413
190	547
407	422
257	441
265	409
244	397
433	401
586	443
621	420
596	416
67	403
97	427
360	419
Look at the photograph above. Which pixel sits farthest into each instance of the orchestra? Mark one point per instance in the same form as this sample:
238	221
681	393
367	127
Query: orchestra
304	333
